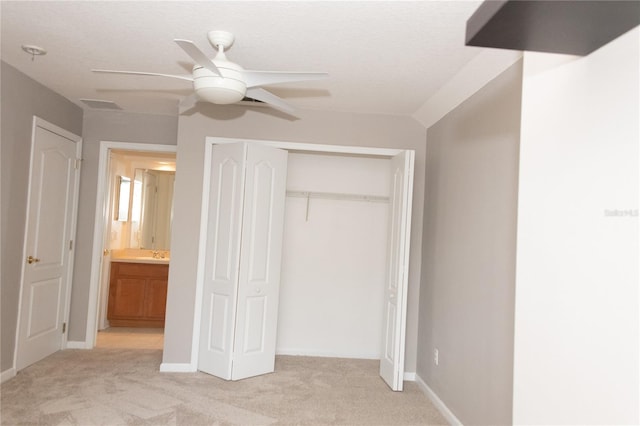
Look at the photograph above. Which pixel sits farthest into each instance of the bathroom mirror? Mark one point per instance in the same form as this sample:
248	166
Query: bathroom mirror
152	209
123	190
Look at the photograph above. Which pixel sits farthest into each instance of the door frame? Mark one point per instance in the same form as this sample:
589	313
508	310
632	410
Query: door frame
100	218
210	141
39	122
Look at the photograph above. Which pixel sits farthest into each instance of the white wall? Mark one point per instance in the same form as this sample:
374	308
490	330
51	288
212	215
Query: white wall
334	258
576	328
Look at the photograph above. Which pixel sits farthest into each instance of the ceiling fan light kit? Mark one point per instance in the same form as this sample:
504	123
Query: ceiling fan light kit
223	82
223	89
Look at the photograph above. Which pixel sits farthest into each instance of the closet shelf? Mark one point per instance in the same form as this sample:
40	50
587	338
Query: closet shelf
338	196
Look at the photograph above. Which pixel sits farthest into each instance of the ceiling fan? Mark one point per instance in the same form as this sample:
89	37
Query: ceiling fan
222	82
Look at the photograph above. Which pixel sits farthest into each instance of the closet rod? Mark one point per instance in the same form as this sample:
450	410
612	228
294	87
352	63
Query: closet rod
338	196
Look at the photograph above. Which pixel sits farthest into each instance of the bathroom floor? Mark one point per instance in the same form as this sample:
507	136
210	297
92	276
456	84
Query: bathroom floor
131	338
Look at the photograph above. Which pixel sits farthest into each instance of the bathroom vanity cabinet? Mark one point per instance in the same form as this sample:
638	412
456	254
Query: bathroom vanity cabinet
137	294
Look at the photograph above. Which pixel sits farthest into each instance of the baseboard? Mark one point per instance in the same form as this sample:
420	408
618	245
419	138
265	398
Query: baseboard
324	354
7	374
409	376
441	406
75	344
174	367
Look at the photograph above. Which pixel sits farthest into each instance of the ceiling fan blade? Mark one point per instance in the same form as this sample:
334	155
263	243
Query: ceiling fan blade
186	77
265	78
271	99
197	55
187	103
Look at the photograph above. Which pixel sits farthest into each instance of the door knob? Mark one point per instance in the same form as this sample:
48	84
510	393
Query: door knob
32	259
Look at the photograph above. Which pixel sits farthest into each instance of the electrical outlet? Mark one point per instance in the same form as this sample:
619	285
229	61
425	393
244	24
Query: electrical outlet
436	356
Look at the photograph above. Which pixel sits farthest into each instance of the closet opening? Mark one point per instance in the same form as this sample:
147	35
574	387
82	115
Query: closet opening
343	260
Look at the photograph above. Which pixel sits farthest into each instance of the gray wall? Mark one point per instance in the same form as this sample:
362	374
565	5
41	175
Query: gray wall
22	98
113	126
261	123
469	242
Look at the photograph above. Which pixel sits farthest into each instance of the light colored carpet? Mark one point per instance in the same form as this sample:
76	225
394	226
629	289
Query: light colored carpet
108	386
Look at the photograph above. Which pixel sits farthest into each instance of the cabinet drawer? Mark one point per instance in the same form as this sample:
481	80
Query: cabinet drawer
145	270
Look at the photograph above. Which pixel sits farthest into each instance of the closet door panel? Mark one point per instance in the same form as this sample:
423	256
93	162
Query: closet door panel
395	297
259	281
220	287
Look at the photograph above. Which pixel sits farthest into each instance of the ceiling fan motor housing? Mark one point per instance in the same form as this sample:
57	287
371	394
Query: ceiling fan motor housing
228	89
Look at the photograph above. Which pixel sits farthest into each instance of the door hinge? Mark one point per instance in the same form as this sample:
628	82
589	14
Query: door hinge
70	244
78	161
64	327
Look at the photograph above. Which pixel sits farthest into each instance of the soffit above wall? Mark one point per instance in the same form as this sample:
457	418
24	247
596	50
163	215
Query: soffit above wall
569	27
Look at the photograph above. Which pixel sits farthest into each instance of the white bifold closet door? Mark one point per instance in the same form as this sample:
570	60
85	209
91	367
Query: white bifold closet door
242	260
395	297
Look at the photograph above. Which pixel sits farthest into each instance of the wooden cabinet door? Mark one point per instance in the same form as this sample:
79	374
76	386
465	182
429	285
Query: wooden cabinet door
127	298
137	294
156	299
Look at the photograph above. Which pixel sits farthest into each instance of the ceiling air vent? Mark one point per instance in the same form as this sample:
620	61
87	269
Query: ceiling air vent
247	101
99	104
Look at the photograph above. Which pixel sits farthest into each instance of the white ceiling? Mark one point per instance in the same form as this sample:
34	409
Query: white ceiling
384	57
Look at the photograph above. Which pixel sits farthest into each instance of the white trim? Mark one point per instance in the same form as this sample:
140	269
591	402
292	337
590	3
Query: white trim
486	66
403	289
290	146
321	354
7	374
73	237
313	147
175	367
409	376
98	226
77	344
39	122
437	402
197	312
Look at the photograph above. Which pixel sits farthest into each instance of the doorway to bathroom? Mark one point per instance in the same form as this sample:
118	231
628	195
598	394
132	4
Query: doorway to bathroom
131	255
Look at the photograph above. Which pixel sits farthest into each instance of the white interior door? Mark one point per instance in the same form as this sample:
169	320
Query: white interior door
105	263
247	187
395	298
48	246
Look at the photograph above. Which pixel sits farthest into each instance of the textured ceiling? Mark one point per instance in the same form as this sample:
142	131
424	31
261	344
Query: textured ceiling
382	57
